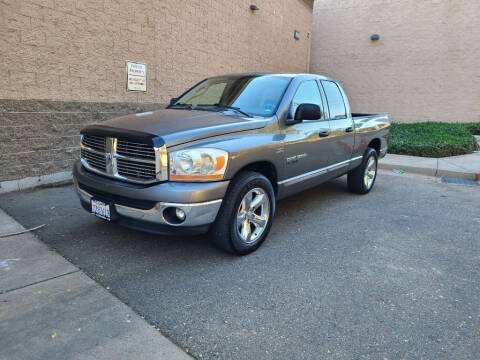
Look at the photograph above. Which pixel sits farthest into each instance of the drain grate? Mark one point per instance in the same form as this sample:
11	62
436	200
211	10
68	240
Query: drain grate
460	181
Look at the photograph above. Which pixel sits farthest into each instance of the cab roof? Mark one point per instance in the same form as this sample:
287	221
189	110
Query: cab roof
290	75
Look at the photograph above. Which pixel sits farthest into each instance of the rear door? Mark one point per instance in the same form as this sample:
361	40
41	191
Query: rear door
341	125
306	143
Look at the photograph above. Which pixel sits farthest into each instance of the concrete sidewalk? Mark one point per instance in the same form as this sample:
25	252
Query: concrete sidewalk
49	309
460	167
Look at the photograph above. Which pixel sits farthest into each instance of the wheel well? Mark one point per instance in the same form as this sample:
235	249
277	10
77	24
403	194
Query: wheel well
375	144
265	168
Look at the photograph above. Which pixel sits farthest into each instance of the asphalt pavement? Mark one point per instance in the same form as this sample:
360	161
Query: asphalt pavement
393	274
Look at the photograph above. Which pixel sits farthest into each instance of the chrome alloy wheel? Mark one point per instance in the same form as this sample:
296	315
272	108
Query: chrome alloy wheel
370	172
253	215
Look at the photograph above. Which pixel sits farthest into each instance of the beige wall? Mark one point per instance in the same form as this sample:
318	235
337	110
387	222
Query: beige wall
425	67
76	49
63	63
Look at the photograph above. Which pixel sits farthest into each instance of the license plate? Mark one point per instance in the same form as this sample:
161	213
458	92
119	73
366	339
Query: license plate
101	209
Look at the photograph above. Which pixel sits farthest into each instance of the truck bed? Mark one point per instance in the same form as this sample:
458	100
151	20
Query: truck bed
371	126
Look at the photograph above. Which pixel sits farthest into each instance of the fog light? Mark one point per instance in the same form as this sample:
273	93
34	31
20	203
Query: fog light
174	215
180	214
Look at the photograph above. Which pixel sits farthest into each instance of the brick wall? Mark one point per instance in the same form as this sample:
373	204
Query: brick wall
39	137
63	63
425	67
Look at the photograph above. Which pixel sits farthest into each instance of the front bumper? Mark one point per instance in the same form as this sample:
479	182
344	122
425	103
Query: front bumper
143	207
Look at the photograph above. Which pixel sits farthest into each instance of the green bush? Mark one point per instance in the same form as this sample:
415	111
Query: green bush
473	127
431	139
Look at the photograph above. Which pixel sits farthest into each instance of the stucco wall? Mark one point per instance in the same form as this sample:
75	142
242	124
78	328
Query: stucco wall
76	49
425	67
63	63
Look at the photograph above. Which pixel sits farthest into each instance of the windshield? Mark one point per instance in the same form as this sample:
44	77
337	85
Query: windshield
251	95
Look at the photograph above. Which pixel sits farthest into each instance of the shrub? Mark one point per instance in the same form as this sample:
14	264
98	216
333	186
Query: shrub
473	127
431	139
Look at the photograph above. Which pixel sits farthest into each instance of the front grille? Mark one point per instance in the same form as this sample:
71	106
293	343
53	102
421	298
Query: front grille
123	159
132	168
134	149
94	160
94	142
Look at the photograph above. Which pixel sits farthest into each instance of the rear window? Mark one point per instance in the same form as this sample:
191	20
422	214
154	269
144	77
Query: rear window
336	104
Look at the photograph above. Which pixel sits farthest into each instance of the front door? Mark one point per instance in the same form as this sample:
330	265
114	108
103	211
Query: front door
306	143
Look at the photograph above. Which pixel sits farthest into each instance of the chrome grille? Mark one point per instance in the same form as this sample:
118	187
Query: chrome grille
136	169
94	160
134	149
94	142
123	159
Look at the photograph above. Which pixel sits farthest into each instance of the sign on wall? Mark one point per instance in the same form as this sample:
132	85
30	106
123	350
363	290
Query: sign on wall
136	76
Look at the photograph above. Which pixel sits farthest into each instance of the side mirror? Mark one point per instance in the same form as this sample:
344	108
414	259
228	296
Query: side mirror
173	100
305	112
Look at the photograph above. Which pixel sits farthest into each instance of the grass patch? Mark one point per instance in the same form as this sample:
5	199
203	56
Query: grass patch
433	139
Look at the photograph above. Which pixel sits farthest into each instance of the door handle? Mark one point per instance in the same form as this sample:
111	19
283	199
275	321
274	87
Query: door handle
349	129
324	133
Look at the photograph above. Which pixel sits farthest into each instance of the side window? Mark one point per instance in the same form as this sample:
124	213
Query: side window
309	93
335	101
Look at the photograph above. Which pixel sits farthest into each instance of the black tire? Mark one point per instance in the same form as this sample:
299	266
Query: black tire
355	179
223	232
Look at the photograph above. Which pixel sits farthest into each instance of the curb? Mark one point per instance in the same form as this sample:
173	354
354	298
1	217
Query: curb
34	182
427	166
409	168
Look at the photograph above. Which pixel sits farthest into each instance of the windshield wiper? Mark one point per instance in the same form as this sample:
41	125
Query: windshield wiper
186	106
221	106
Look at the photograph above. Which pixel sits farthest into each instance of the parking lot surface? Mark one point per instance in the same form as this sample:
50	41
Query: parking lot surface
393	274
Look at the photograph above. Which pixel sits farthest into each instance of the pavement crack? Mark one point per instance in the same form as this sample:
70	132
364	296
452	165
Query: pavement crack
38	282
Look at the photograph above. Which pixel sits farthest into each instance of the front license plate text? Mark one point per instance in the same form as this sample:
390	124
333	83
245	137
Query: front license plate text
101	209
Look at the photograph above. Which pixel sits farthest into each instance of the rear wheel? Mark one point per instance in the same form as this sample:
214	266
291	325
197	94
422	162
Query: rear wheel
246	215
361	179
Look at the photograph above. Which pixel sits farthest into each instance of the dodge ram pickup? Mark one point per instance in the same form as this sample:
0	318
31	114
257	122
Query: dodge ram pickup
221	154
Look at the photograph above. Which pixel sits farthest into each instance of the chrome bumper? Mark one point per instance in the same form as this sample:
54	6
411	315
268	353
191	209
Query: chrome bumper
197	214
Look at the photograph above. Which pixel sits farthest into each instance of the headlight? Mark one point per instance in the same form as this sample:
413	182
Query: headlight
202	164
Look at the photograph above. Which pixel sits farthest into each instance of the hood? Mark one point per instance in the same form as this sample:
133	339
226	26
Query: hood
175	126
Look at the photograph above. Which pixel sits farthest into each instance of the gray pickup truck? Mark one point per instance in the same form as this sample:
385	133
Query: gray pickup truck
220	155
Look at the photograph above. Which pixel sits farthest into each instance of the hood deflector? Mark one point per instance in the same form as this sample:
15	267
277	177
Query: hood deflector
133	135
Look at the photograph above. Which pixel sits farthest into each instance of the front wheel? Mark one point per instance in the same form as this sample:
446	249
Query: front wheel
361	179
246	215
